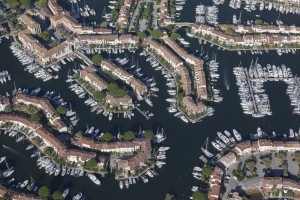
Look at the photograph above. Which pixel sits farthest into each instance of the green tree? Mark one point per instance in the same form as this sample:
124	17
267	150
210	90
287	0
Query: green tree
258	22
169	197
36	116
99	96
25	2
156	34
107	137
61	110
175	36
45	35
90	164
207	171
97	59
43	3
142	35
103	24
78	134
44	192
179	96
129	135
199	196
114	90
13	3
57	195
54	43
149	134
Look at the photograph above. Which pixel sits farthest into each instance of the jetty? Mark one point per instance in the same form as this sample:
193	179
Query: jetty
143	113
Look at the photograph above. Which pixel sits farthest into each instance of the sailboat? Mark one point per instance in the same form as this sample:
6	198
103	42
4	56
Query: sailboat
204	149
160	136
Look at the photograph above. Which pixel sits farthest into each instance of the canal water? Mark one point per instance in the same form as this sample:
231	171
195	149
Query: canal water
185	140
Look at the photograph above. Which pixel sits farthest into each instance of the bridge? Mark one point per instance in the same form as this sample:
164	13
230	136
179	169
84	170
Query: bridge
183	23
83	57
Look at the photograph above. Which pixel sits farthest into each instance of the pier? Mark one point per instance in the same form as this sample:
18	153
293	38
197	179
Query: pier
251	90
83	57
143	113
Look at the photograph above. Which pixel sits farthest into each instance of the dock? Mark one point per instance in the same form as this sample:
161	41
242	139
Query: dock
143	113
84	58
251	90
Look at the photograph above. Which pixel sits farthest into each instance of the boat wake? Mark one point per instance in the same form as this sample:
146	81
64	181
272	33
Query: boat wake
226	79
13	151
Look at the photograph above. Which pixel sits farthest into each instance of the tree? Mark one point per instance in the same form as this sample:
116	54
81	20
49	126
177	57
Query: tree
97	59
90	164
129	135
54	43
44	192
43	3
13	3
78	134
149	134
258	22
142	35
179	96
175	36
107	137
103	24
57	195
25	2
36	116
99	96
45	35
169	197
207	171
61	110
115	91
199	196
156	34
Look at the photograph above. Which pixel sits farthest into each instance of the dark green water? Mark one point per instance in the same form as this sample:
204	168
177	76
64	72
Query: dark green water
185	140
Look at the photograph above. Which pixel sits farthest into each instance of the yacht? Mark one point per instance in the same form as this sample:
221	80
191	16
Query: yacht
24	184
94	179
77	196
121	185
228	135
65	193
223	138
237	135
2	159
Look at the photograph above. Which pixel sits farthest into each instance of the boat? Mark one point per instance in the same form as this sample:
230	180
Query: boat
77	196
121	185
228	135
66	192
2	159
24	184
223	138
94	179
204	149
30	147
237	135
216	145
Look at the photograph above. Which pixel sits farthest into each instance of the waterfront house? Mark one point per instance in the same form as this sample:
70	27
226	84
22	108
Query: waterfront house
89	74
4	104
44	55
69	155
228	159
215	181
191	107
123	102
30	24
45	106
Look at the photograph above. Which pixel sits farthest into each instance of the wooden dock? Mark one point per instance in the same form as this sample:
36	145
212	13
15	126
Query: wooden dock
143	113
251	90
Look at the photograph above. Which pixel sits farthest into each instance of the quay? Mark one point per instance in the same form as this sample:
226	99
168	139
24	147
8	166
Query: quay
251	90
142	112
83	57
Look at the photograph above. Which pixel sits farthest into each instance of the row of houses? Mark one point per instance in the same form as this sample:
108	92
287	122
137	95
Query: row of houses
189	104
69	155
138	86
30	23
64	18
244	29
89	75
42	54
139	148
280	185
164	13
247	40
198	64
13	195
124	13
215	182
124	40
45	106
